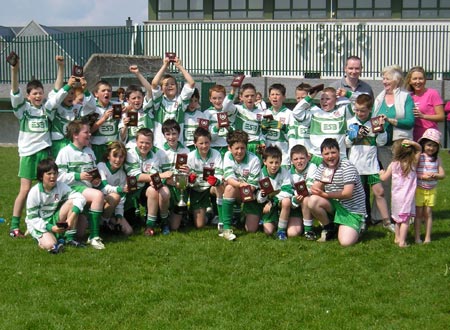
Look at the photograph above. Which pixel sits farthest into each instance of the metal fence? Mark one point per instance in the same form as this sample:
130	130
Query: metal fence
310	50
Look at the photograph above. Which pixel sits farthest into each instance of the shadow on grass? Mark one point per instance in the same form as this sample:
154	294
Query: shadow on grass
371	235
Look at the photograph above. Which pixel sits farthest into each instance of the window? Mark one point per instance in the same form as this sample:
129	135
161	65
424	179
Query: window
425	8
180	9
363	9
295	9
238	9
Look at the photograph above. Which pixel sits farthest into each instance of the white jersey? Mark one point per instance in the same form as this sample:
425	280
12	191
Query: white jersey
113	182
42	205
108	131
196	164
171	155
218	135
363	151
34	130
169	109
191	122
246	171
145	119
280	181
72	162
279	136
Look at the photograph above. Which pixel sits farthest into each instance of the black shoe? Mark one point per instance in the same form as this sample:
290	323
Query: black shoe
310	235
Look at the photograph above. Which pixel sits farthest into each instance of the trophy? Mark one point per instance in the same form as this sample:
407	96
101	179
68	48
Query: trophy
301	189
94	173
327	175
181	182
316	89
237	81
204	123
181	160
156	181
132	183
207	171
77	71
266	186
133	115
12	58
171	56
246	194
222	119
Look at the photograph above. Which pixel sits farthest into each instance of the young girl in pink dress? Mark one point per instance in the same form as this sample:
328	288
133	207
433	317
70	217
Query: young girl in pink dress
406	155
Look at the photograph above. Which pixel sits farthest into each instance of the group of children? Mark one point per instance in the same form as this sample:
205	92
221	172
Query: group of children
281	168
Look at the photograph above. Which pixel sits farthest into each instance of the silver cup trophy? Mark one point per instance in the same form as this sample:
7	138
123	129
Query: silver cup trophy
181	182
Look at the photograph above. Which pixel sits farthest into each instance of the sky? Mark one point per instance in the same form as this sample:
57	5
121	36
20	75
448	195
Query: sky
73	12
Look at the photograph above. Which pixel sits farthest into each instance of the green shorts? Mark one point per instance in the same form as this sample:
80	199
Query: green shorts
53	219
272	216
28	164
370	179
296	213
253	147
253	208
344	217
99	151
199	200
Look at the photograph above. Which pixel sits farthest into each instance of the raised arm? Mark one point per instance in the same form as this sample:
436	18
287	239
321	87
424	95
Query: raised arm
59	73
144	82
15	77
160	73
187	76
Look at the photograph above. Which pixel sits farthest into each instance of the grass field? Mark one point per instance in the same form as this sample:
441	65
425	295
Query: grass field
194	280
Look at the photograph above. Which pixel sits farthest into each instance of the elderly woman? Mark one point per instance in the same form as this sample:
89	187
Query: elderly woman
396	105
429	107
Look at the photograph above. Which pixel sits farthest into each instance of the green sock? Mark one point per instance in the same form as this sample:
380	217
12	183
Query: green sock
165	219
151	221
94	223
70	234
227	212
308	225
282	225
15	222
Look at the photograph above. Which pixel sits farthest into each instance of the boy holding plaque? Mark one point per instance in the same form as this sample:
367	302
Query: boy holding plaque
167	101
302	172
138	109
275	194
241	170
176	162
34	137
106	127
193	118
115	185
219	120
145	162
362	140
205	165
337	190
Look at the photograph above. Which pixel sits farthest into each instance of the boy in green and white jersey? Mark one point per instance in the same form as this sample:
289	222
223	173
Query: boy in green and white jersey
49	203
106	128
139	102
276	130
248	116
168	104
202	159
192	117
298	132
241	169
34	138
328	121
143	161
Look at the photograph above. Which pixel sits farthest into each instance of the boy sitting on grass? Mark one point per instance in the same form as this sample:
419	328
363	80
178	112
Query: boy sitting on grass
52	209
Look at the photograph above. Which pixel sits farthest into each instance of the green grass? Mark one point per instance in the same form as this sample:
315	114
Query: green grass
194	280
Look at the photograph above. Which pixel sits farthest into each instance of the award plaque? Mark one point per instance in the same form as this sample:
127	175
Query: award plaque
61	224
12	58
327	175
316	89
181	160
77	71
132	183
268	117
133	115
246	194
222	119
237	81
300	188
156	181
266	186
207	171
377	126
117	111
203	123
171	56
94	173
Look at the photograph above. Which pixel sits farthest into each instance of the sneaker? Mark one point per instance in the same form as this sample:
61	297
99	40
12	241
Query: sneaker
75	244
220	228
166	230
16	233
281	235
149	231
310	235
215	220
228	235
363	228
57	248
325	235
389	226
96	243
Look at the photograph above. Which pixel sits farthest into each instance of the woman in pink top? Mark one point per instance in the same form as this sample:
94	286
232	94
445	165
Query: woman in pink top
429	109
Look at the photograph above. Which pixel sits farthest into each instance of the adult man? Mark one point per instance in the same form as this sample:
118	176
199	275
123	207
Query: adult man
351	81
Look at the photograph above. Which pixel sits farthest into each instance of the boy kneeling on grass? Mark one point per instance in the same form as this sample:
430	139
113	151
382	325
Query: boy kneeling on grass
276	197
337	190
53	209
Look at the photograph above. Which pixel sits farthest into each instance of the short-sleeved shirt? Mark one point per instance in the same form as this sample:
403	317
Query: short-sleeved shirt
246	171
